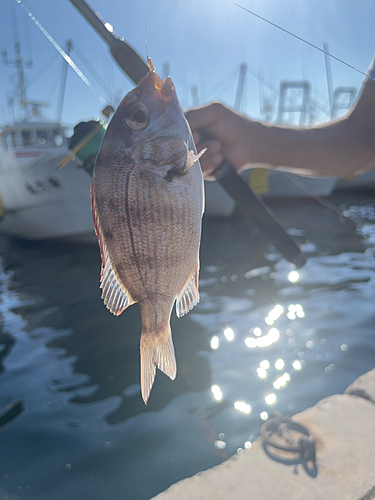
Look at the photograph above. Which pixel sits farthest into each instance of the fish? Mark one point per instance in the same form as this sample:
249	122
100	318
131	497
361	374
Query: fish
147	201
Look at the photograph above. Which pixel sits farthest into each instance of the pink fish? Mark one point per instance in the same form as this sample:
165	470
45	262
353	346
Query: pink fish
147	201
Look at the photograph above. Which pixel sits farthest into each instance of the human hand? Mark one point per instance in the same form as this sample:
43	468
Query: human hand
223	132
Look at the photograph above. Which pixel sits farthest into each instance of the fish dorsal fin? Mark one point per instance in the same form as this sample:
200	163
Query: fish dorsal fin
189	295
114	294
157	351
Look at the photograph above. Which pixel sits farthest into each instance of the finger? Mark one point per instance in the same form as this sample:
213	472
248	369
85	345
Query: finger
204	116
208	167
210	162
213	147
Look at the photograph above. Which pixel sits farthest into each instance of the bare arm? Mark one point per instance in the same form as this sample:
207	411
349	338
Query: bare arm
339	148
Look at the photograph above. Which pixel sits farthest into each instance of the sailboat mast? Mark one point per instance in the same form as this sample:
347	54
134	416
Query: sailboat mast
20	64
21	80
329	77
240	87
195	95
69	45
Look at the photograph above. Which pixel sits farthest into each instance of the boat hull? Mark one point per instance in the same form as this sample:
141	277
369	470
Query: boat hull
42	203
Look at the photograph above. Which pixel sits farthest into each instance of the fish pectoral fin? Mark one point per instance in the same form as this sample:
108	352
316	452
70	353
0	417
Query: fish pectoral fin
157	351
191	158
189	296
114	294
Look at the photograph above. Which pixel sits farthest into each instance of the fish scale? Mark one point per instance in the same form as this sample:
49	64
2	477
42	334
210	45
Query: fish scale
147	202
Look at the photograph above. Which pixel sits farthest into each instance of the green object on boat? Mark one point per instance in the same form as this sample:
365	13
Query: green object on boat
91	148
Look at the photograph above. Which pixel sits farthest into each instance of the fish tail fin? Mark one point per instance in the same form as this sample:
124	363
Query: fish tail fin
156	351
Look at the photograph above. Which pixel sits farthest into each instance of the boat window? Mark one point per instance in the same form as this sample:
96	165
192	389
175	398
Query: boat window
8	143
41	137
16	139
26	138
58	138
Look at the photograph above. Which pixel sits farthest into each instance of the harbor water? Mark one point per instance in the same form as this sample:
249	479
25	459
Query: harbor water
264	336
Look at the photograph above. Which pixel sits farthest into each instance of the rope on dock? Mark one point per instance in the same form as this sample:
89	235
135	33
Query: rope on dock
295	442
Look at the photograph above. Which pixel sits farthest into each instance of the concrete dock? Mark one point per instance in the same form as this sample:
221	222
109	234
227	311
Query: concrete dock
343	426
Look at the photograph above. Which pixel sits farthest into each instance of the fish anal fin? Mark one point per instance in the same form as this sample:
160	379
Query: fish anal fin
157	351
114	293
189	295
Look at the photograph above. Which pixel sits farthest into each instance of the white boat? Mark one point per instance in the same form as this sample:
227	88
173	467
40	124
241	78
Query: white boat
36	201
364	181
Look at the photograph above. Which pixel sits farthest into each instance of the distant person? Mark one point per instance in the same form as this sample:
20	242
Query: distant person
339	148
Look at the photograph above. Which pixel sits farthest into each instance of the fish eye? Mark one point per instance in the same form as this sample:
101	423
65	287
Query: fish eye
137	116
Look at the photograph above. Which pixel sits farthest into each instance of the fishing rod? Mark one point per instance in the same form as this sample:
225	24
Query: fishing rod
126	57
250	205
259	214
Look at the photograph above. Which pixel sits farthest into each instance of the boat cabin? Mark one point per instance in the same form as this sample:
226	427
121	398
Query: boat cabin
29	135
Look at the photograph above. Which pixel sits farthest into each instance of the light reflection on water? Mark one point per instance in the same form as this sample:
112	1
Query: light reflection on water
264	337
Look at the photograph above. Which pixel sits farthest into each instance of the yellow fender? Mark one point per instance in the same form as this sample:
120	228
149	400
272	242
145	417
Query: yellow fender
258	180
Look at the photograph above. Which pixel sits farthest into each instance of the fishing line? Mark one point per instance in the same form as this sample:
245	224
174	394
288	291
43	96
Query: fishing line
93	71
301	39
221	91
145	16
61	52
324	202
3	112
44	69
230	77
55	85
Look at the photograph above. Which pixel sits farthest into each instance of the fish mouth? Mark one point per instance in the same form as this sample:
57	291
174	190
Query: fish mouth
165	88
152	96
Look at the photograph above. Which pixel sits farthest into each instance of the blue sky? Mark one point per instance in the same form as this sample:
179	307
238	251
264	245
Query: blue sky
204	41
